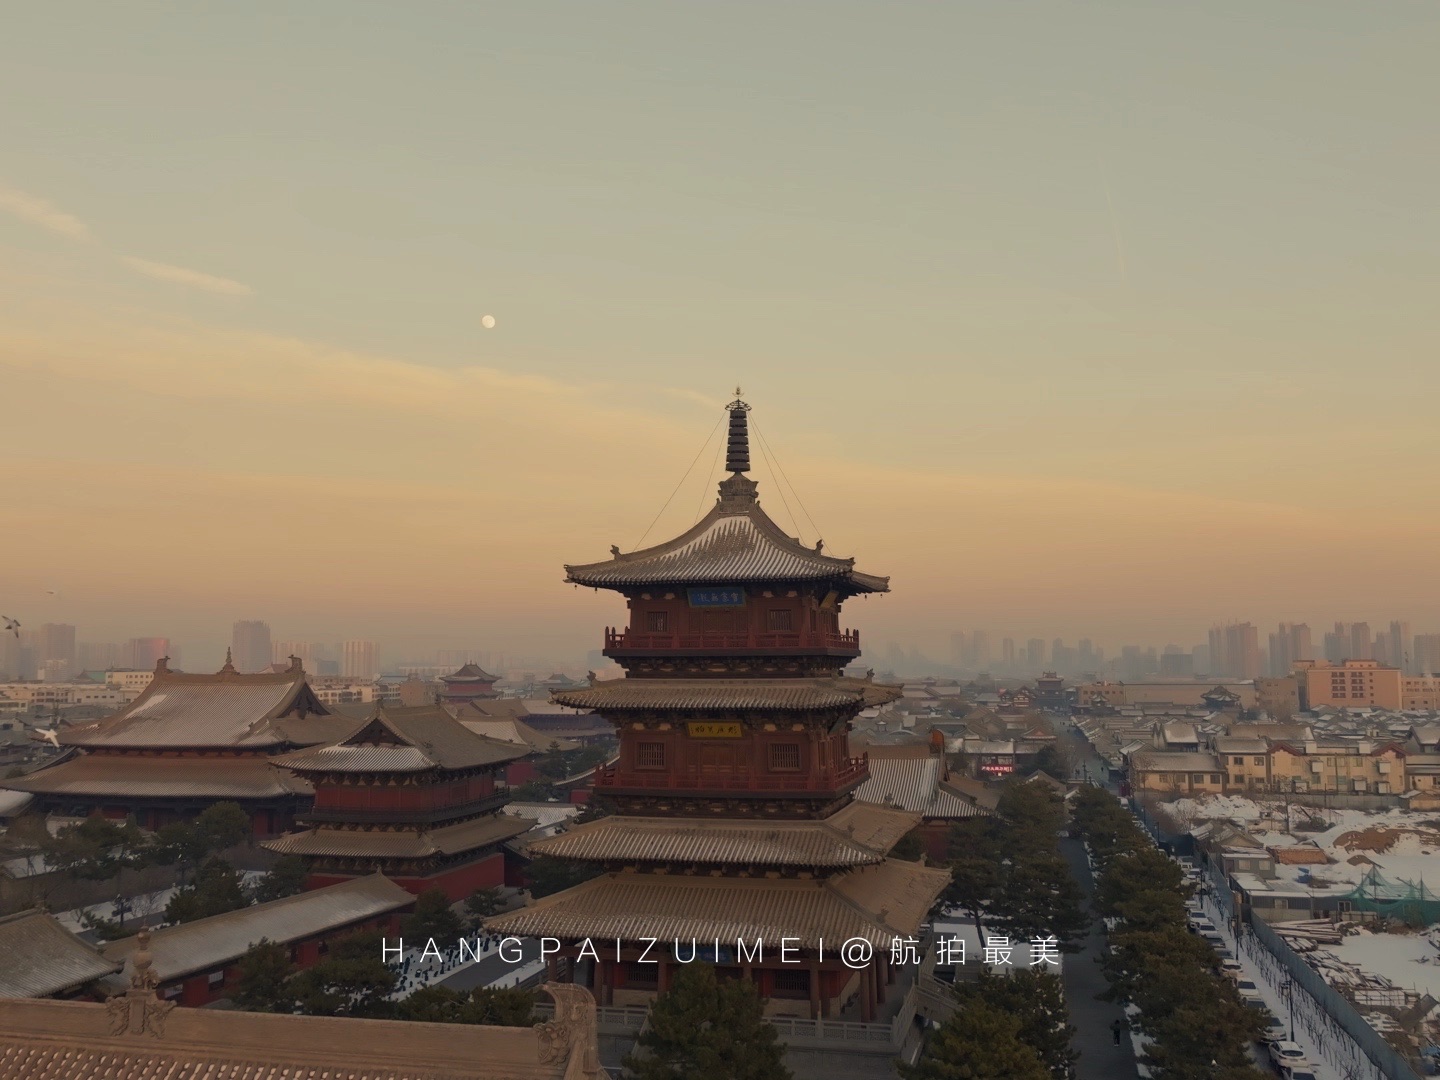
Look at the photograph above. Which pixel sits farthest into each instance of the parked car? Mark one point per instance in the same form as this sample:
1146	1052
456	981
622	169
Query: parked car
1249	992
1233	968
1283	1052
1276	1031
1297	1072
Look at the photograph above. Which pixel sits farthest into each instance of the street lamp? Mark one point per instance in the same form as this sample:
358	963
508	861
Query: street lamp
1288	993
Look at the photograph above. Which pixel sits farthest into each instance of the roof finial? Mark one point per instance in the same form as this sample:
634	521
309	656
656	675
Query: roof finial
229	661
737	453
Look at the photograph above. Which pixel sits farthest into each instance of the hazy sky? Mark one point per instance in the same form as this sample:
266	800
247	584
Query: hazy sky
1108	318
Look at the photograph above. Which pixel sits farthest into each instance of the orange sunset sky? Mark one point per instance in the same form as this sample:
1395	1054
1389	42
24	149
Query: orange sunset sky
1110	320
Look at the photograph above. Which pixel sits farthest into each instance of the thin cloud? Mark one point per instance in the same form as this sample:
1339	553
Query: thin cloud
179	275
38	211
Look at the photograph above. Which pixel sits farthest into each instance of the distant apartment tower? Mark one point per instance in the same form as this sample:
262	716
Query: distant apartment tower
55	651
1235	650
357	660
1175	662
1290	642
1362	646
98	655
1035	654
143	653
1007	652
957	648
250	646
980	649
307	652
1426	654
1394	646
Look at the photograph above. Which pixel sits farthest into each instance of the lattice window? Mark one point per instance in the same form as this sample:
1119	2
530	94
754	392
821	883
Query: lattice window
649	755
792	983
779	619
785	755
657	622
641	976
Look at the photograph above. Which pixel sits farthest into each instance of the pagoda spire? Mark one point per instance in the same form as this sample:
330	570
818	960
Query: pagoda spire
229	662
737	452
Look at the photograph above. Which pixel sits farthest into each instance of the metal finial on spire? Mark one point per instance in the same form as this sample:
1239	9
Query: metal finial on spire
737	451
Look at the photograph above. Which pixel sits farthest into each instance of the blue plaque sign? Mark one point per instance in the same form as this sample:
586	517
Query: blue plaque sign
719	597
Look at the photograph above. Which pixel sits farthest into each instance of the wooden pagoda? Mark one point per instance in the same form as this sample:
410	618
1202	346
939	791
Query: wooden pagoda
470	683
411	793
733	794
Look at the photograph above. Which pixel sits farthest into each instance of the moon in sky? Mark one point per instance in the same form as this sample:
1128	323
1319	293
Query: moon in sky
488	322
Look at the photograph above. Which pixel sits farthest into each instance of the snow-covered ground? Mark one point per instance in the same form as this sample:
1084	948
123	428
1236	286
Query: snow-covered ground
1332	1052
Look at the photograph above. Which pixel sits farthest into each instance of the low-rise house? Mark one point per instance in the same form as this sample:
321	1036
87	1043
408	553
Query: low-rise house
1186	772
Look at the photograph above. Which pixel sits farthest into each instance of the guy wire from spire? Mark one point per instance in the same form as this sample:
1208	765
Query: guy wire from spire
793	489
723	417
769	464
704	491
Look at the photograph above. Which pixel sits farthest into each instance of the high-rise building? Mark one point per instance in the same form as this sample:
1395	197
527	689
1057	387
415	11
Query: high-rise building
1301	647
958	655
309	653
1235	650
979	649
1085	657
1035	654
1007	652
250	646
357	660
1291	642
143	653
1426	654
1399	646
97	655
55	651
1337	644
1176	664
1362	646
1200	660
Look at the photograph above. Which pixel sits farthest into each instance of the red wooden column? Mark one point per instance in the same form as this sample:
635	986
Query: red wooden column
814	990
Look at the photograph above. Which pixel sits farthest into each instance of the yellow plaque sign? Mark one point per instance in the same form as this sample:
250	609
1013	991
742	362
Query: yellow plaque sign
714	729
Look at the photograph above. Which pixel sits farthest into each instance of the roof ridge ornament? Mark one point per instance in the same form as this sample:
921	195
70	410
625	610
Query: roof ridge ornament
229	663
737	450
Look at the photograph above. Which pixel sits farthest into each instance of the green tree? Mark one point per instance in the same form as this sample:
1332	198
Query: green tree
911	847
216	890
1039	897
263	979
711	1028
286	878
433	918
1037	999
978	1043
187	844
975	855
350	980
483	903
96	849
508	1007
223	825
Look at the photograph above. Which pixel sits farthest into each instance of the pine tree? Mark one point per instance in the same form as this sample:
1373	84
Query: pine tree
1037	999
217	889
263	972
704	1027
286	878
980	1042
433	918
351	980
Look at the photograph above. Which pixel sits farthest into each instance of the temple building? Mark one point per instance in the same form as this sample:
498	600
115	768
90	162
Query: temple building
469	683
733	793
187	741
410	793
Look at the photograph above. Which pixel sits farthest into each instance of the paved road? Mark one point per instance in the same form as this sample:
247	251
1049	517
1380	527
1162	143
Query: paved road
492	969
1100	1058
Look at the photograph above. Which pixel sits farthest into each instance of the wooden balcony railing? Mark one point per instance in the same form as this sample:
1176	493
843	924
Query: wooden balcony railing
848	641
613	776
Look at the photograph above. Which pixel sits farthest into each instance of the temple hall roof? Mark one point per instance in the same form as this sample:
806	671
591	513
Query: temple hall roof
784	695
469	673
914	784
150	777
207	944
403	740
859	834
41	957
76	1040
225	709
328	841
876	902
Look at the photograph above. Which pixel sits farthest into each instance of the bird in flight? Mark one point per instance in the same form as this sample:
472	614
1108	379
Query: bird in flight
13	625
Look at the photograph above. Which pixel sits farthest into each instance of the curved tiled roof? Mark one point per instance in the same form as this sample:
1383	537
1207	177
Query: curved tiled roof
876	903
857	835
404	740
43	958
401	843
226	709
736	543
136	776
783	695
